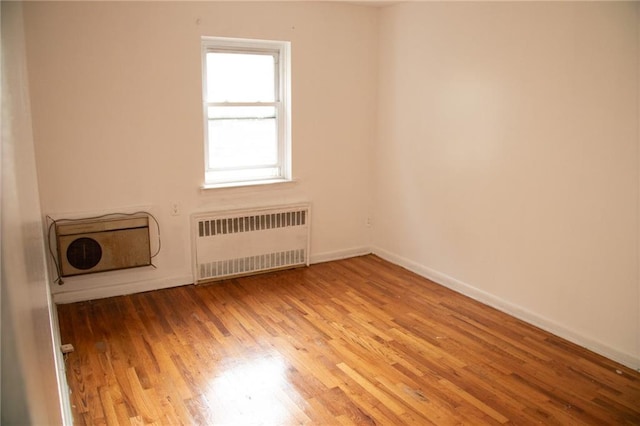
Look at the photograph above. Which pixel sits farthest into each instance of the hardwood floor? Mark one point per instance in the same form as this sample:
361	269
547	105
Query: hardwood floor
358	341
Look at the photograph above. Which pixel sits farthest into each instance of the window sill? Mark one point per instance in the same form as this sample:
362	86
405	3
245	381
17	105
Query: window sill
279	183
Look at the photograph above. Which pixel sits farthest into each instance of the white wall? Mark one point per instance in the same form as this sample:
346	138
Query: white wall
508	159
29	393
116	93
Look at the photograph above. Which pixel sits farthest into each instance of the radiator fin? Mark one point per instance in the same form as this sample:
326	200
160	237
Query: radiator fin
207	228
251	264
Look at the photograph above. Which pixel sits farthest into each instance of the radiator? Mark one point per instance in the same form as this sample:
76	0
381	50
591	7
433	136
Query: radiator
244	242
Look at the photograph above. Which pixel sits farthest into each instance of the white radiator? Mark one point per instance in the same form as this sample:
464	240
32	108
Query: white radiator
244	242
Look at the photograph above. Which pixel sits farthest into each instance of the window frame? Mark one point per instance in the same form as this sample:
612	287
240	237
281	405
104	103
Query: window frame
282	103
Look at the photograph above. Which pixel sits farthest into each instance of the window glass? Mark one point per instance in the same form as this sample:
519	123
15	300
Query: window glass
242	137
240	77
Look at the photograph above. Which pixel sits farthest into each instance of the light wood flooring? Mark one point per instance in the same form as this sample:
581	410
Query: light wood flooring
352	342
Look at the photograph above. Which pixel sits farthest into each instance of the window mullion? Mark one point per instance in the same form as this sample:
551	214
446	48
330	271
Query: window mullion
242	104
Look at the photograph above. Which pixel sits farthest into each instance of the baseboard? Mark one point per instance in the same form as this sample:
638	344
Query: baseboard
339	254
120	289
514	310
58	357
517	311
100	291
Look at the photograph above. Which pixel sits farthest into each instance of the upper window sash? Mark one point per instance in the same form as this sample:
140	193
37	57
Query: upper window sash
252	47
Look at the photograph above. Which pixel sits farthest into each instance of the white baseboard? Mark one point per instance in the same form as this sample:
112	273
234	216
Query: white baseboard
338	255
98	289
79	295
519	312
61	377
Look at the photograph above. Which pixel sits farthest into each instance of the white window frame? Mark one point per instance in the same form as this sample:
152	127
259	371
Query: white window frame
281	50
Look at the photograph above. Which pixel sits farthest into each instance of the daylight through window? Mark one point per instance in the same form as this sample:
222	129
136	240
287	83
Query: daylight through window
246	110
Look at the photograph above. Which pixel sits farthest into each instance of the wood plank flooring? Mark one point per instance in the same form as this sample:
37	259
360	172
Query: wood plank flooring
352	342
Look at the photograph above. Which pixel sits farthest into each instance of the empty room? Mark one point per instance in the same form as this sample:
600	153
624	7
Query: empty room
320	212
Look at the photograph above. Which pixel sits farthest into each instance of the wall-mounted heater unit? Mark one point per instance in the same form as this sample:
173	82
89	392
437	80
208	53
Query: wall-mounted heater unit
96	245
236	243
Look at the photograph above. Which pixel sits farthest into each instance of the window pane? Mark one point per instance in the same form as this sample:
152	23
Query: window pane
240	77
242	137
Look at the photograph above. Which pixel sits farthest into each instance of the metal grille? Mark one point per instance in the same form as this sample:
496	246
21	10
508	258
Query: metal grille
246	242
252	223
245	265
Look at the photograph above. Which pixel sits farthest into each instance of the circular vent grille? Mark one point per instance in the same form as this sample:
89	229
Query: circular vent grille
84	253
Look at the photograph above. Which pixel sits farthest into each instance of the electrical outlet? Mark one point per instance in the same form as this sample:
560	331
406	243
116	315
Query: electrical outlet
66	348
175	209
368	222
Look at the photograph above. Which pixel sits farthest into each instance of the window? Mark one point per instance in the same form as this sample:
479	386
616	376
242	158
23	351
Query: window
246	86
